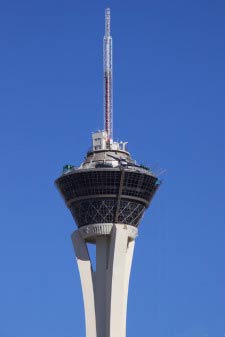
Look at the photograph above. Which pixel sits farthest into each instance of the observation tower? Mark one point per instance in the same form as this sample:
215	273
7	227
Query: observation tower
107	196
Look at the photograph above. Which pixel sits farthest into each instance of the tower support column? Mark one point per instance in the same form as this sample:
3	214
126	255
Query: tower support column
105	290
87	284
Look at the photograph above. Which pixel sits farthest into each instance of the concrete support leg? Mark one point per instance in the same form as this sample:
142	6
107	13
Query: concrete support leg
102	247
87	284
105	291
120	258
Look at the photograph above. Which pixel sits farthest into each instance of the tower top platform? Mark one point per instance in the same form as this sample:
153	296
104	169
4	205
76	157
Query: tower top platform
107	155
109	187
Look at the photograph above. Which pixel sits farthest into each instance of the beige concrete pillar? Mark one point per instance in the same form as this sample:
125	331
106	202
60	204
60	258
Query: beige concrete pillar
86	277
105	291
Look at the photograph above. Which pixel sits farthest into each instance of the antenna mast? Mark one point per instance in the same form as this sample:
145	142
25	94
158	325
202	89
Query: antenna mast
108	85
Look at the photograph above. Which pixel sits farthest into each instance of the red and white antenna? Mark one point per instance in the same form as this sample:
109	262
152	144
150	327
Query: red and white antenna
108	78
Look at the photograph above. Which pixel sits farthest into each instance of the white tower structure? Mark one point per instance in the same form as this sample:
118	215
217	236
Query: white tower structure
107	196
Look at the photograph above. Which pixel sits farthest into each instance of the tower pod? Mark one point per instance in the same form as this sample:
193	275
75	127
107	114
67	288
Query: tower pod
106	190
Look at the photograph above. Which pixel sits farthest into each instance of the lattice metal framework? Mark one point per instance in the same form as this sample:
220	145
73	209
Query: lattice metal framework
108	77
94	211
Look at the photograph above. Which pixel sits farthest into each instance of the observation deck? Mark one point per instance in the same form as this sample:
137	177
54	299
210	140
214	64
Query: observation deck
108	187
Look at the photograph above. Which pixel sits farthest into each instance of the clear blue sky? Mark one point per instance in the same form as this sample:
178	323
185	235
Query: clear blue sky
169	103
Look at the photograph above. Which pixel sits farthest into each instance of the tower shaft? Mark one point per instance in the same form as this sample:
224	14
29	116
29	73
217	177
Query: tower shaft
108	77
105	290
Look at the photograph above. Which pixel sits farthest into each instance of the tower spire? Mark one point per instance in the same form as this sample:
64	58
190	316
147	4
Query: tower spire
108	77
